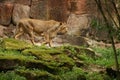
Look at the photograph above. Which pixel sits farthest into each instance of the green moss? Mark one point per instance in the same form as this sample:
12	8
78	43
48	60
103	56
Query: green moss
43	63
97	76
9	43
39	54
63	58
38	50
75	74
11	76
107	59
51	57
37	74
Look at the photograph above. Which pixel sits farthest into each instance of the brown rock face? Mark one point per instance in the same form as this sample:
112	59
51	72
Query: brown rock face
58	10
2	29
39	9
77	6
4	1
49	9
5	13
25	2
20	11
78	25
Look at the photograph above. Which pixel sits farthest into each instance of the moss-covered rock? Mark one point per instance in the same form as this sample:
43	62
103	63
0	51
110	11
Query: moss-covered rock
9	43
52	57
11	75
43	63
36	74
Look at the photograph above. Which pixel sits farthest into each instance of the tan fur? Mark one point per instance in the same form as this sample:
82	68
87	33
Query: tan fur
47	29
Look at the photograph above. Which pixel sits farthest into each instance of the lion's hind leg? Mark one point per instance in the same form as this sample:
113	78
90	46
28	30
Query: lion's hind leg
31	34
18	34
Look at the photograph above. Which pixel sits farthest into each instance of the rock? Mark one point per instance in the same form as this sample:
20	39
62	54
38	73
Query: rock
55	58
5	13
75	40
113	73
38	9
81	7
78	25
97	29
25	2
90	52
10	31
58	10
2	29
5	1
14	44
79	63
8	64
37	74
20	11
90	42
77	6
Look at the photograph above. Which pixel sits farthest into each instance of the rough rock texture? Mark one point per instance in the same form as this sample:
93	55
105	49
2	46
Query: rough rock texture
25	2
99	34
4	1
75	40
5	13
39	9
58	10
10	30
78	6
2	29
46	9
20	11
78	24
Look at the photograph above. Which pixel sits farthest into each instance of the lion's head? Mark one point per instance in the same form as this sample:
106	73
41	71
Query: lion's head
62	29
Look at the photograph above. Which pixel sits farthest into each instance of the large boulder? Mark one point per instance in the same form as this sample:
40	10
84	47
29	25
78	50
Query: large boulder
78	25
20	11
5	13
88	26
38	9
12	44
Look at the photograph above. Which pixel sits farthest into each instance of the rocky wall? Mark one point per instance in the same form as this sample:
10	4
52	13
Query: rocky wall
77	14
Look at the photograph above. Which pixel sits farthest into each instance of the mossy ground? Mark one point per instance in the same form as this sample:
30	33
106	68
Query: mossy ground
22	61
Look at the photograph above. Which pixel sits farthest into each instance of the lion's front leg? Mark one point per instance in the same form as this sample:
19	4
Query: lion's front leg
50	42
32	39
30	33
47	39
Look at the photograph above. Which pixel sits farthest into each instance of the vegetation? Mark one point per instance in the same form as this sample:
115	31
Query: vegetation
57	63
110	22
108	55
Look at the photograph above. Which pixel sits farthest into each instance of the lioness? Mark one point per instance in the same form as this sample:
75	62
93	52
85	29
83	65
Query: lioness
47	29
